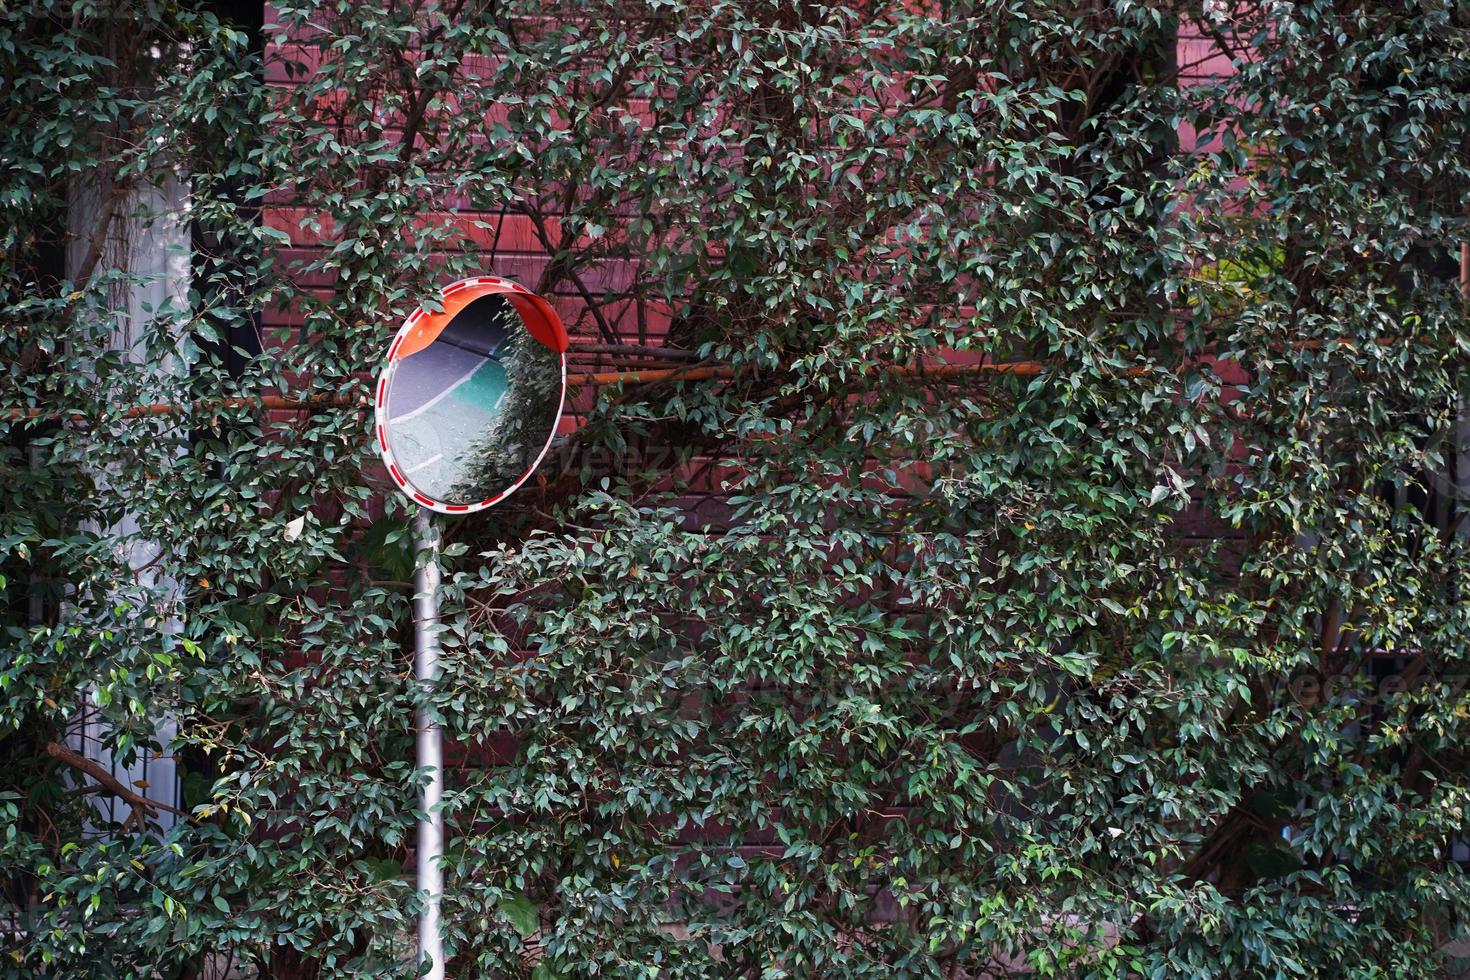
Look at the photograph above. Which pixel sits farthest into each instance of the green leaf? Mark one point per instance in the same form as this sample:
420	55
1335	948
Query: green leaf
522	913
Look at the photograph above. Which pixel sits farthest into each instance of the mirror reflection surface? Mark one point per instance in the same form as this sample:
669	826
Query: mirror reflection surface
470	414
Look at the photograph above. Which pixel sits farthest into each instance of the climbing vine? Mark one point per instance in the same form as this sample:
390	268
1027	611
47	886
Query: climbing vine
1025	535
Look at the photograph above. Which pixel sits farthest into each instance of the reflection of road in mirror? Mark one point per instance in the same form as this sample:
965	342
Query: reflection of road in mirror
470	413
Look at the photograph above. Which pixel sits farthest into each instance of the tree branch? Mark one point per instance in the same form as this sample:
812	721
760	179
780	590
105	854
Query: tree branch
108	781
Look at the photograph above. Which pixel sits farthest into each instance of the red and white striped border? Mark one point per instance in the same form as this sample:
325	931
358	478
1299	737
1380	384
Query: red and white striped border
489	285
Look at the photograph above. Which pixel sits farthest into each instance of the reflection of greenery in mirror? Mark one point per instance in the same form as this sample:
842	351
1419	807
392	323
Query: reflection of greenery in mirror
469	414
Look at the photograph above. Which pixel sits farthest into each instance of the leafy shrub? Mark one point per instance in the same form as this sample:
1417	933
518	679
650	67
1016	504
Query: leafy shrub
1087	428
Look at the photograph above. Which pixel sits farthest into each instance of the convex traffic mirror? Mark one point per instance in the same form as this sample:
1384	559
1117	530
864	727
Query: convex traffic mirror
470	397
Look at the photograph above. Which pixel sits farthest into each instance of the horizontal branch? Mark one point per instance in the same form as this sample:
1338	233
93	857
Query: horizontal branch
635	350
708	372
270	403
724	371
599	379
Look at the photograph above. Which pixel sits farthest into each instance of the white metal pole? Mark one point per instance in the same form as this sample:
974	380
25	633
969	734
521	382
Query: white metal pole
428	742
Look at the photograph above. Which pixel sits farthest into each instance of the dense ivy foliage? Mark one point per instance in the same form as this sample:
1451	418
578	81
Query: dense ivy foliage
1086	445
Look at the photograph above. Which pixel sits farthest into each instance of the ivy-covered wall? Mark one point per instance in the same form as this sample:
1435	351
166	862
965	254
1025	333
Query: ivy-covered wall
1033	544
